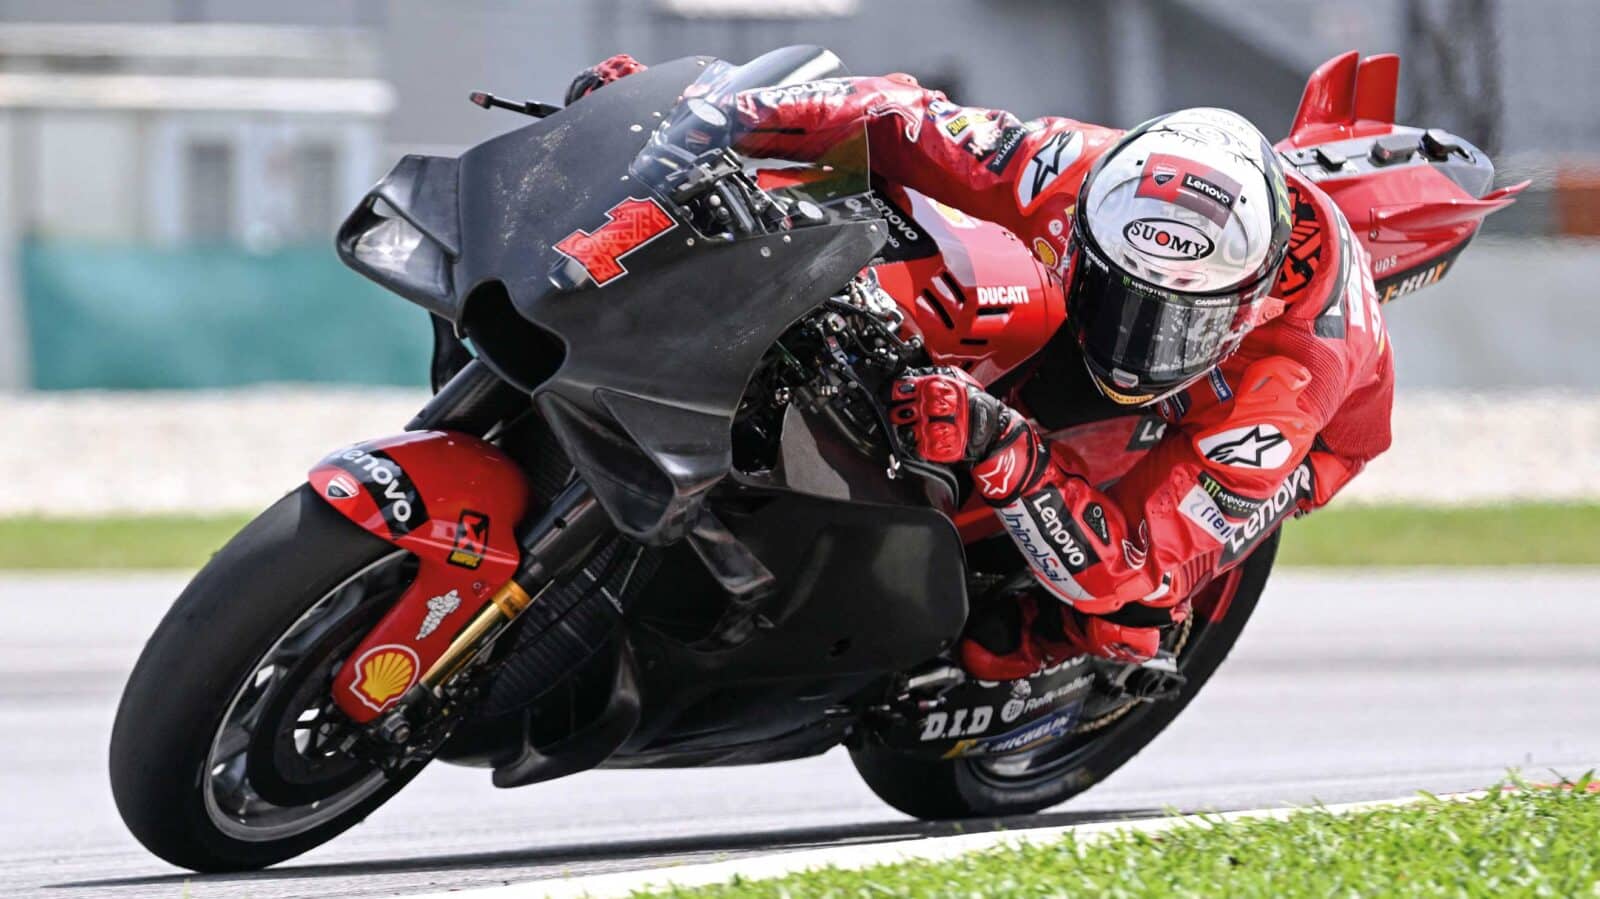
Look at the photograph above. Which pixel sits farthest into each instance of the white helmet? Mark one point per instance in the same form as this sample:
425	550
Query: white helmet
1180	232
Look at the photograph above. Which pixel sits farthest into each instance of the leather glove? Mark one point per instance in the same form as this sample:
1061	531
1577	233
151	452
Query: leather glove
597	76
947	415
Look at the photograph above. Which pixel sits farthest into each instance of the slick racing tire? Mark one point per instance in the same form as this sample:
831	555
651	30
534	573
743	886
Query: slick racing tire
972	788
208	725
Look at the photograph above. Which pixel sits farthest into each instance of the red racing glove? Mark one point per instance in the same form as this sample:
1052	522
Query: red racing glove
948	416
597	76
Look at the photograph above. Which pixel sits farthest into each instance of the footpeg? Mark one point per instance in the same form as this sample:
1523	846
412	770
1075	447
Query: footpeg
1154	680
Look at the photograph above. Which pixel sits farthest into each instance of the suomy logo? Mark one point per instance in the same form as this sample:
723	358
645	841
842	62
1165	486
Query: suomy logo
1167	239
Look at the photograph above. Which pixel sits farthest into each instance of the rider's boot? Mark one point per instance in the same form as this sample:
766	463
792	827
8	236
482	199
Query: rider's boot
1015	636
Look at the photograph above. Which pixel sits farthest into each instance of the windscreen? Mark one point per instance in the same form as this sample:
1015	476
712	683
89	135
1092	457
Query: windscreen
730	156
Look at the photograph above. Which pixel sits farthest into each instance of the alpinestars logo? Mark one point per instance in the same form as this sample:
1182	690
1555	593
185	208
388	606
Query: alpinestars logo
1005	469
1056	156
999	478
1260	446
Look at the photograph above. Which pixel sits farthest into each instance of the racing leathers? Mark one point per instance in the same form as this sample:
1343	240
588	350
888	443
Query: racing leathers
1278	427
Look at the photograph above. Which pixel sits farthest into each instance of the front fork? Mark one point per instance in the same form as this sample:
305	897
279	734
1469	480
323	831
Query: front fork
461	507
555	546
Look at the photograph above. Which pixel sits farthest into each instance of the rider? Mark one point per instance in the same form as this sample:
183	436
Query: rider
1202	282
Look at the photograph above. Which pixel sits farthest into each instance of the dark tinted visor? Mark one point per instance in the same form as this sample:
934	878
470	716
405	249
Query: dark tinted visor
1141	339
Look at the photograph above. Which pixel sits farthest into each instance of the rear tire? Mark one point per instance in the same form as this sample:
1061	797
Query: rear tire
960	788
215	636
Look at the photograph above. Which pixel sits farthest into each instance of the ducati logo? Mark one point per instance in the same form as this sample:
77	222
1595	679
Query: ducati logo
1202	189
384	481
629	225
341	487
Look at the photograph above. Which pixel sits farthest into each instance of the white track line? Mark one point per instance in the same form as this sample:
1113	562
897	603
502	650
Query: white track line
761	867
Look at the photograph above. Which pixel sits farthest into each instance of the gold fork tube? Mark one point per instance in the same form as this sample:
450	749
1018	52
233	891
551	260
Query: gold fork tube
502	608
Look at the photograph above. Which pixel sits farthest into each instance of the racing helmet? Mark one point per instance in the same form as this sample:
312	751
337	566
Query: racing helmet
1181	229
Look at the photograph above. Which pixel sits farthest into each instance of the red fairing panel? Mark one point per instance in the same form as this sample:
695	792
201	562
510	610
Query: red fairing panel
452	500
1411	219
984	303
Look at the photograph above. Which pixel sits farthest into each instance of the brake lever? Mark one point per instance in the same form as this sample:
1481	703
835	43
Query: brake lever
900	456
532	108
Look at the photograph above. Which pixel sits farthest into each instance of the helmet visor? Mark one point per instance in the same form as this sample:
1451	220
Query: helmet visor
1141	340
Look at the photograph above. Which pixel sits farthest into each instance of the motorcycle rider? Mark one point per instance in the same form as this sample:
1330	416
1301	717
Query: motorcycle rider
1202	281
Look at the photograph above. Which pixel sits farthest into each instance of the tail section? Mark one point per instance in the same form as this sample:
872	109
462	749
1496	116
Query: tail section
1414	197
1347	97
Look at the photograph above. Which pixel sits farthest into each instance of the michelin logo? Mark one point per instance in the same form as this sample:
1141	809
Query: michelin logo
1057	725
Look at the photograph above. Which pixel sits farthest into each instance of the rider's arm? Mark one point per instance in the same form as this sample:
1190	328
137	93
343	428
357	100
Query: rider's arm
1149	537
984	162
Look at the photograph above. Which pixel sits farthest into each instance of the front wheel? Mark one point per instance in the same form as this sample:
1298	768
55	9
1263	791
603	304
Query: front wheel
1028	782
228	752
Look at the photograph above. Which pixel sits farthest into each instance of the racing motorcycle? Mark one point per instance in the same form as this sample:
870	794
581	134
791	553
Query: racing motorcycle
655	514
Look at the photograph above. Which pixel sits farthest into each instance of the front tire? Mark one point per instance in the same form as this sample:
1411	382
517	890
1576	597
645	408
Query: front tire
970	788
224	642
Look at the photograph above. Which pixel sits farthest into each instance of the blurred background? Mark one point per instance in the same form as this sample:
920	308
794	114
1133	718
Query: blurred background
171	171
179	345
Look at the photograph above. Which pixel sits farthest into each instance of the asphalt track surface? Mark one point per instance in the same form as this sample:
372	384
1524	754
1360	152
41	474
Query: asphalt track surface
1345	687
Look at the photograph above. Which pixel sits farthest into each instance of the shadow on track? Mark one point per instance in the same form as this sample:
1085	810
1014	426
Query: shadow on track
652	849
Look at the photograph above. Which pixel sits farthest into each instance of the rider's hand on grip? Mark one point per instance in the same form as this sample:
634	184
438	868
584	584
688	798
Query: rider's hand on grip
946	415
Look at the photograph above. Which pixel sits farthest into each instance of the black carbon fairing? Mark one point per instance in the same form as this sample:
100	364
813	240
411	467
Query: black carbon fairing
651	327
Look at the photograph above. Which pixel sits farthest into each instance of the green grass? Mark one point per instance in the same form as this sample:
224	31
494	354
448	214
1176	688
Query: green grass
168	541
1362	536
1524	843
1520	534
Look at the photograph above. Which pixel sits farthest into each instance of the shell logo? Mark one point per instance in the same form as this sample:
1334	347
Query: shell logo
383	674
1045	252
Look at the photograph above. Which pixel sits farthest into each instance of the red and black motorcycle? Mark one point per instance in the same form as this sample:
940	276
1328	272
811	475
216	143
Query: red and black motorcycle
656	516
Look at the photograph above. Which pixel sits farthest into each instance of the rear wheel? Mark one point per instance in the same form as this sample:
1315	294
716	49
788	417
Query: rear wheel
1028	782
227	751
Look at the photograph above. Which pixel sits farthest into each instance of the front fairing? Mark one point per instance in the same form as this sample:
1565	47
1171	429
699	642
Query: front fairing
659	339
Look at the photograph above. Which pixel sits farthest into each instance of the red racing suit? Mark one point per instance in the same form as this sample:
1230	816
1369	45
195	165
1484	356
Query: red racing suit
1279	426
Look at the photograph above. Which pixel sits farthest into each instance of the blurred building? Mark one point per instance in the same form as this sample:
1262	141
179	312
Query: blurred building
170	160
151	130
175	134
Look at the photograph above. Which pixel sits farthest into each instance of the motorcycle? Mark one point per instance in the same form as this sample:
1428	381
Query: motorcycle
656	516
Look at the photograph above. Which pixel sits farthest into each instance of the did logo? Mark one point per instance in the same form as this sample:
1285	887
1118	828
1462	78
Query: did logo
1167	239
